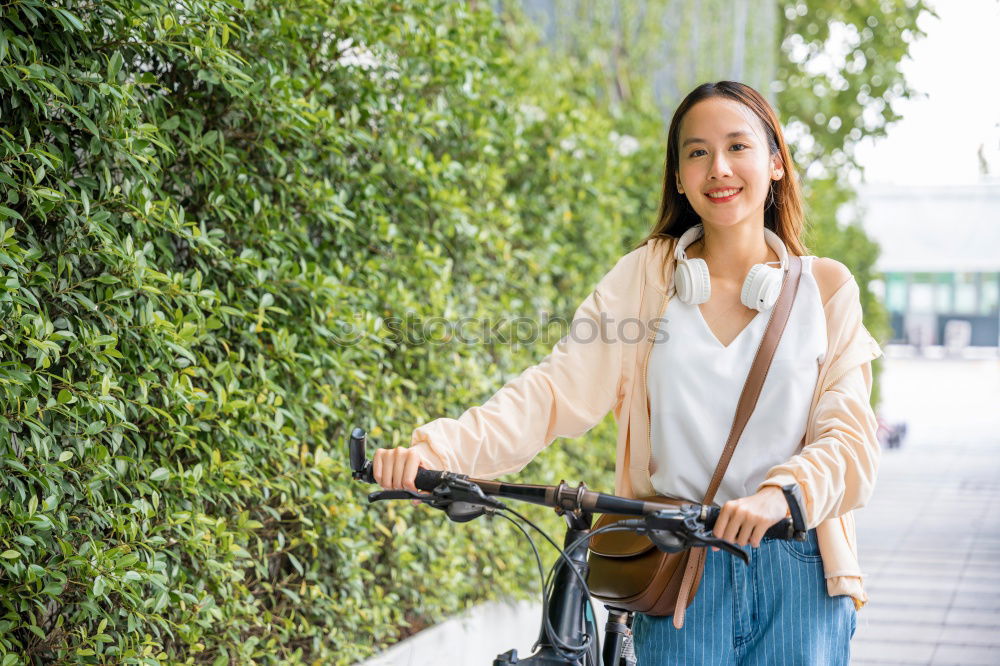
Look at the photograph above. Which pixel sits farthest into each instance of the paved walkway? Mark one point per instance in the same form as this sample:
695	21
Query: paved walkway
930	537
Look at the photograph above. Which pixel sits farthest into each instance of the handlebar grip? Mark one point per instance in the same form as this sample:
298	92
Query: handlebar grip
427	480
780	530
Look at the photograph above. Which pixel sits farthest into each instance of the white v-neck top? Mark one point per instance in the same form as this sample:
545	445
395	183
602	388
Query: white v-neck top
694	383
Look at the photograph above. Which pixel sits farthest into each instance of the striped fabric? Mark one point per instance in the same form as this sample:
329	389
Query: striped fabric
774	611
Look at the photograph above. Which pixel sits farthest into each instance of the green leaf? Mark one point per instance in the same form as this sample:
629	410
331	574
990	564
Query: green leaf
89	124
170	124
65	455
159	474
10	554
7	212
71	18
65	397
114	65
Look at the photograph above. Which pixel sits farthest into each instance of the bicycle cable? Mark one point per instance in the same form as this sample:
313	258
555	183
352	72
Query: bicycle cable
579	651
565	650
568	652
561	562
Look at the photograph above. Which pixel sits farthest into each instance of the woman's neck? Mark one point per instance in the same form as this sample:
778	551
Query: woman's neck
730	252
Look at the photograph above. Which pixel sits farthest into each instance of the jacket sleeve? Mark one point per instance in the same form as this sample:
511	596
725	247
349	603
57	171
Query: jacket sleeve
838	469
566	394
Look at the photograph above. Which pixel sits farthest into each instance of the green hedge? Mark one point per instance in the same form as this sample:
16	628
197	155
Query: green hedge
199	202
217	221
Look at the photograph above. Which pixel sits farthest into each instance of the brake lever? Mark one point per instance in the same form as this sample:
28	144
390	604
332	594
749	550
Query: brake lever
462	501
692	534
699	535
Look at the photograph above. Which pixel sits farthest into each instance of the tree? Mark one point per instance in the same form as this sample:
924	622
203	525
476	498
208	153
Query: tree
837	83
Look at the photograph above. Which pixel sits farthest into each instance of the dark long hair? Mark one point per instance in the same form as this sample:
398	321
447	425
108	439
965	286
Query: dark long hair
783	209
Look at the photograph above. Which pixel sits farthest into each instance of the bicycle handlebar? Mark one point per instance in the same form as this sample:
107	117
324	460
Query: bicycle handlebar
465	498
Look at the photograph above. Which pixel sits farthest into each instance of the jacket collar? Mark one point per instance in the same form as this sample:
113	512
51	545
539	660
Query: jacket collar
660	266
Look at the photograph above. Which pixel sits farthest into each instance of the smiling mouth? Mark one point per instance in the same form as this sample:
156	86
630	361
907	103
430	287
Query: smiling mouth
724	195
718	194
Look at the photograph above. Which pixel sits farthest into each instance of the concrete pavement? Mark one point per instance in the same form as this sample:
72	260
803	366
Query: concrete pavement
929	540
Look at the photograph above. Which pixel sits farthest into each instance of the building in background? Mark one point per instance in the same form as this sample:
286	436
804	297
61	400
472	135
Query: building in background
940	260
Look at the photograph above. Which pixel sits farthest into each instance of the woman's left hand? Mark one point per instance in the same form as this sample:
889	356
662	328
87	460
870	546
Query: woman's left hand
745	520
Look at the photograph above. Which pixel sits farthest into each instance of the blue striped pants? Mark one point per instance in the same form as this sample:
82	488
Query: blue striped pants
774	610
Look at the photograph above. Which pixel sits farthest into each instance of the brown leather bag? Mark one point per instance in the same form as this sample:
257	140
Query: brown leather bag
627	571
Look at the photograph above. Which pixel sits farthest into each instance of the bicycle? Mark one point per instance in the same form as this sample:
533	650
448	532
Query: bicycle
568	633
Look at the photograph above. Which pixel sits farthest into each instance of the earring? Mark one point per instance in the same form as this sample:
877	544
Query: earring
771	200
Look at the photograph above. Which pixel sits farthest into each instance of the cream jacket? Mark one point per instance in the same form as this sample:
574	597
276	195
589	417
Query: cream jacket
600	366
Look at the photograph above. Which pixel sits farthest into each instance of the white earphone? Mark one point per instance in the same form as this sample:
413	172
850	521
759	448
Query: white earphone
760	289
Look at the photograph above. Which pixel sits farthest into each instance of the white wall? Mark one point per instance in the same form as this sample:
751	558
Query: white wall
475	637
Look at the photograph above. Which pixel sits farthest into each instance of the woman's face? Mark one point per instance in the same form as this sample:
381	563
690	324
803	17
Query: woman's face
724	166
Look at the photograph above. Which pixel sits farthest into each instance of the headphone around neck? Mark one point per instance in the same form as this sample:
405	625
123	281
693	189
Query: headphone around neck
760	289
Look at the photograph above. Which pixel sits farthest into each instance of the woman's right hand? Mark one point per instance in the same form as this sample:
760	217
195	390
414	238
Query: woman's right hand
395	469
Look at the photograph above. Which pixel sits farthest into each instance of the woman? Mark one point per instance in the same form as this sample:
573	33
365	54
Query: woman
730	199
